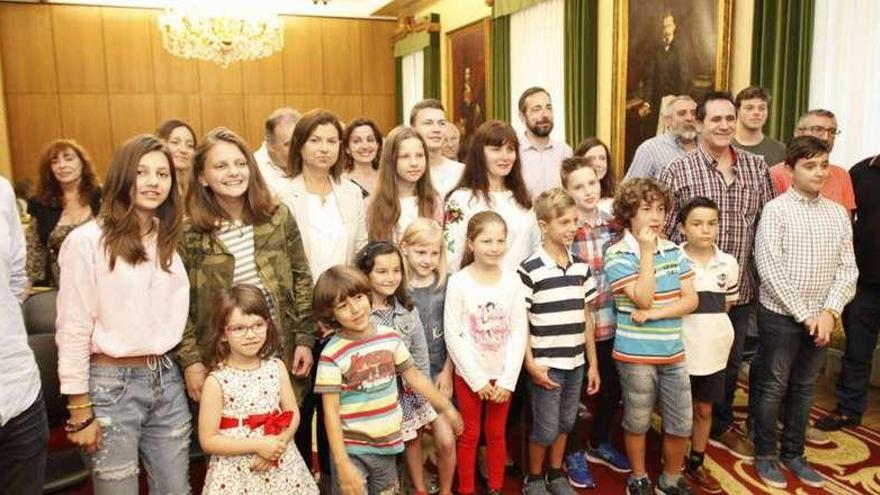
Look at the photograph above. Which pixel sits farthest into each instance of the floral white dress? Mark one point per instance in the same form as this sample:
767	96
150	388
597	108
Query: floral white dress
247	393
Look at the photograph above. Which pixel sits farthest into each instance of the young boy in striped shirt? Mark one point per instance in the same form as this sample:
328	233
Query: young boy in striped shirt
654	287
558	287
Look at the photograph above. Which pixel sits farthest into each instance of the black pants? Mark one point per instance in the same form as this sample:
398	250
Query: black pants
861	321
312	405
23	443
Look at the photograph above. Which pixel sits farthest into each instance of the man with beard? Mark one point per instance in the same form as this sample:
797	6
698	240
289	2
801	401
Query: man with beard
751	108
272	156
541	156
653	155
739	182
839	187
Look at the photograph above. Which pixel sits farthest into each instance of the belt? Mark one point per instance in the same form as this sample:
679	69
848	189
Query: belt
152	361
273	423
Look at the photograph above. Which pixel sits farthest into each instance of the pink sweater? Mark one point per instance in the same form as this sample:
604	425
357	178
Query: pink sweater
134	310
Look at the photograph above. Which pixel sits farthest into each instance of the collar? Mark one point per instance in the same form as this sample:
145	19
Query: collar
716	256
397	309
602	218
550	260
710	160
633	244
675	140
526	143
800	198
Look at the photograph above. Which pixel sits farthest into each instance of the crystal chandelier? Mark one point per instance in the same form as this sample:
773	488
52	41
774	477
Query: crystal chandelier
222	31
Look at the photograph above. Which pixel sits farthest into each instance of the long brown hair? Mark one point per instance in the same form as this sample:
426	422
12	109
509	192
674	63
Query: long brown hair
607	184
304	128
476	225
119	221
476	175
347	159
384	209
204	211
250	301
49	190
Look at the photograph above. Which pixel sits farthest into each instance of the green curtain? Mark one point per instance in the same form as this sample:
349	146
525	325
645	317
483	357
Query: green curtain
500	37
581	60
398	89
782	46
432	63
503	8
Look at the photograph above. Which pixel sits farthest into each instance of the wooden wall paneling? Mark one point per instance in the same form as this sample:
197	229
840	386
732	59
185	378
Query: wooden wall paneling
342	62
187	108
26	49
128	50
86	118
131	115
303	56
35	120
304	103
223	110
214	79
171	74
79	49
256	109
377	55
264	76
380	108
346	107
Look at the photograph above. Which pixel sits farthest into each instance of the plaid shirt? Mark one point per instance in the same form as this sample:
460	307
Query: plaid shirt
740	203
804	253
589	246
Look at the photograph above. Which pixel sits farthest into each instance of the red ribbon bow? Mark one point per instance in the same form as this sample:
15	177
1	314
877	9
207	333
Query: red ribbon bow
272	423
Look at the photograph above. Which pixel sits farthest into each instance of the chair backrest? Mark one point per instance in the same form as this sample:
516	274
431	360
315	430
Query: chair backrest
39	313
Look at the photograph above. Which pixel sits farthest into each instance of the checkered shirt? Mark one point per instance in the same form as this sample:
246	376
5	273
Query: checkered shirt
589	245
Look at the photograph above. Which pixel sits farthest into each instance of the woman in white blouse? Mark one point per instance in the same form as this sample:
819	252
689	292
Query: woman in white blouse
492	180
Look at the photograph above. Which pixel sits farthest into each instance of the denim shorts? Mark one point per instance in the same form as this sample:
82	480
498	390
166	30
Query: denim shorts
643	383
379	473
554	412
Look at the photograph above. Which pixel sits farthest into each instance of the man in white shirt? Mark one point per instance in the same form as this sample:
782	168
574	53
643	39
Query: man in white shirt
24	432
540	155
272	156
428	118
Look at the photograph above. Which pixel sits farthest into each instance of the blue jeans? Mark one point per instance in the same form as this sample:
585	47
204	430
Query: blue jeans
861	321
554	412
143	413
785	368
23	441
722	412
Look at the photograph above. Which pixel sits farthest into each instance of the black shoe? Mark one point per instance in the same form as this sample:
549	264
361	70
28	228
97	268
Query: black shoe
835	420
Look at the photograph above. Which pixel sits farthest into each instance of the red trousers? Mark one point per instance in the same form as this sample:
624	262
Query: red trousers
471	407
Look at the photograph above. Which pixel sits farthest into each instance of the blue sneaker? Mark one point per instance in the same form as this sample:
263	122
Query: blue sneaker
804	472
768	471
607	455
578	472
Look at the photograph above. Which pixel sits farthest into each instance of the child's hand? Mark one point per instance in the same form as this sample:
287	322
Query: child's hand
642	315
259	465
541	377
271	448
501	395
444	382
454	418
593	380
487	392
647	239
350	480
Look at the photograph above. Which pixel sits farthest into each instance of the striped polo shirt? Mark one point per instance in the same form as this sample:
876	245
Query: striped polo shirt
364	374
555	298
655	341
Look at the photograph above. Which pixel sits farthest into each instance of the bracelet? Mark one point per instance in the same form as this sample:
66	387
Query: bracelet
79	406
74	428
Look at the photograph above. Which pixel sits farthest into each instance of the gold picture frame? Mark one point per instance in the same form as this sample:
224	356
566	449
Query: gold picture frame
628	105
468	75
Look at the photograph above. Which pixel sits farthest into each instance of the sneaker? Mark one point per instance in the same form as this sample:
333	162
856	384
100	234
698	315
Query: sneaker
804	472
768	471
836	420
577	470
680	488
608	456
735	443
560	486
702	478
639	486
534	487
815	436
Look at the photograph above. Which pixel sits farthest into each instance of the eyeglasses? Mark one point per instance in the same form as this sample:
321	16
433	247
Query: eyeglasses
239	331
818	129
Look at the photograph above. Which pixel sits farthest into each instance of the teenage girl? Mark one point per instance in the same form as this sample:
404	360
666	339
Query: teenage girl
485	330
248	411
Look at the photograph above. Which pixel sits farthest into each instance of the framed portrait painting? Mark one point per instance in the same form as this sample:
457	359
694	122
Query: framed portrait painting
663	49
467	71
